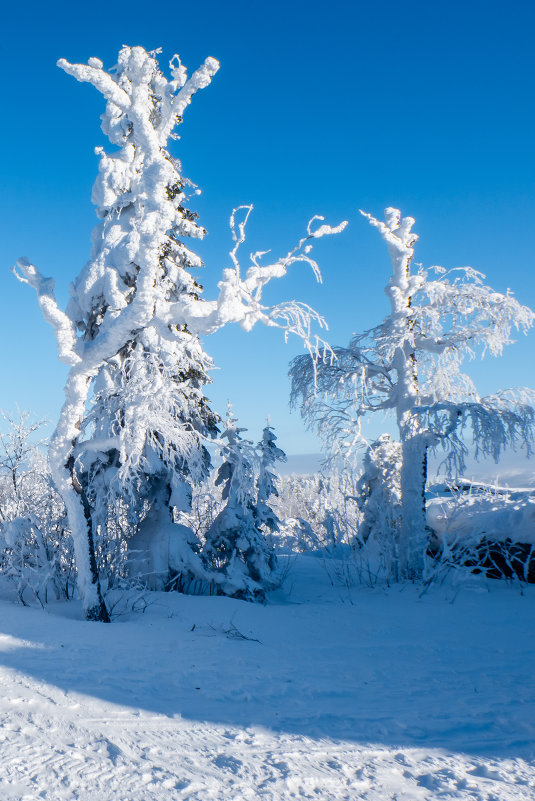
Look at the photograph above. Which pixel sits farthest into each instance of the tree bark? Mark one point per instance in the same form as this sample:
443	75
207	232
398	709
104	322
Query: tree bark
95	609
413	533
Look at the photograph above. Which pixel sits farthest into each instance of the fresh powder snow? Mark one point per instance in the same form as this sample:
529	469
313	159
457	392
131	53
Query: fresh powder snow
327	692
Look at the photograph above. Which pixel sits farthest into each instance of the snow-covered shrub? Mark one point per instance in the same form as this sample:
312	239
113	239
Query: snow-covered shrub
296	535
482	528
318	512
410	365
130	331
36	546
206	505
379	501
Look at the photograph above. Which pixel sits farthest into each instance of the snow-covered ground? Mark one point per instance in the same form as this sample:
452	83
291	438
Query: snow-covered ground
338	694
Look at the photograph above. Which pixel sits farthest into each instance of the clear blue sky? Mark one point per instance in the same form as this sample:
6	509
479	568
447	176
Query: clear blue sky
318	108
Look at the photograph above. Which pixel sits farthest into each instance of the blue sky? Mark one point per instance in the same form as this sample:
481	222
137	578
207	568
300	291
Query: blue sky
317	109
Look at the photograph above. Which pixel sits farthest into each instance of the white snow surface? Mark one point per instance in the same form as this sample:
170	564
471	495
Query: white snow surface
339	694
499	513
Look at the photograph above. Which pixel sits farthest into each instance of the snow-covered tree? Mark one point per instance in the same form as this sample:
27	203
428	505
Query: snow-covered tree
35	548
378	496
236	548
130	331
266	482
410	365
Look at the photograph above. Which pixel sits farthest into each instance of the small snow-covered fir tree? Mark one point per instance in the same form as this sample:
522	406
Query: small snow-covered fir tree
378	496
266	483
410	365
130	332
236	548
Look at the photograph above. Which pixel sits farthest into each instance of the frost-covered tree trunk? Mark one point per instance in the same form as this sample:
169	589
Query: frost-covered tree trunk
413	438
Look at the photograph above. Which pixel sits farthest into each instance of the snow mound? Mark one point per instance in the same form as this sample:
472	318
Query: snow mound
498	513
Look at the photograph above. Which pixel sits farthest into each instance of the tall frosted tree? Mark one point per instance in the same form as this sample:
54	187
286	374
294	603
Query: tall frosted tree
130	333
148	399
410	365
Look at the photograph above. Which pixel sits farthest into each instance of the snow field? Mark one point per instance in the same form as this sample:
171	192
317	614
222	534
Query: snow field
342	694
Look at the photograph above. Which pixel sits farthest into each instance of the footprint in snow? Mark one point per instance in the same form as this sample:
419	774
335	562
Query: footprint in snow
228	764
114	752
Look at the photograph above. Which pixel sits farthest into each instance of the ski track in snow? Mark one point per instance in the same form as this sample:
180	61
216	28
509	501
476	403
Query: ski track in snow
388	697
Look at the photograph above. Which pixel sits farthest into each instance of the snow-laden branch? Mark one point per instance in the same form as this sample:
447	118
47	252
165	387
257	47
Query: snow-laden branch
503	420
240	299
200	79
397	233
395	230
63	326
177	93
93	73
98	445
465	313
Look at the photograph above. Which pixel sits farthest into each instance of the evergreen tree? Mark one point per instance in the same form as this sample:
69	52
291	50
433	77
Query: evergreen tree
235	547
148	398
267	480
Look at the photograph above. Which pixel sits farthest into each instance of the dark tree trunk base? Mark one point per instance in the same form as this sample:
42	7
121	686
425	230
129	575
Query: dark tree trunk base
98	613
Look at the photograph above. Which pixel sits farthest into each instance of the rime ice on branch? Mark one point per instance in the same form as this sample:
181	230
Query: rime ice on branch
410	365
130	331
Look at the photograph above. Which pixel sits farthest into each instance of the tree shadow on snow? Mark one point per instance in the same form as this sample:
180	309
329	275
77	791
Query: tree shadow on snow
392	669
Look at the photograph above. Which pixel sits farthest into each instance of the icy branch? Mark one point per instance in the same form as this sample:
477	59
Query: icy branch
505	419
63	326
239	299
94	74
200	79
396	231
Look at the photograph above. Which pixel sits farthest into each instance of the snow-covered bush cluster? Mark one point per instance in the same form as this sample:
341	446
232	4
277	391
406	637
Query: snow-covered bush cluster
488	529
318	512
130	481
35	545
